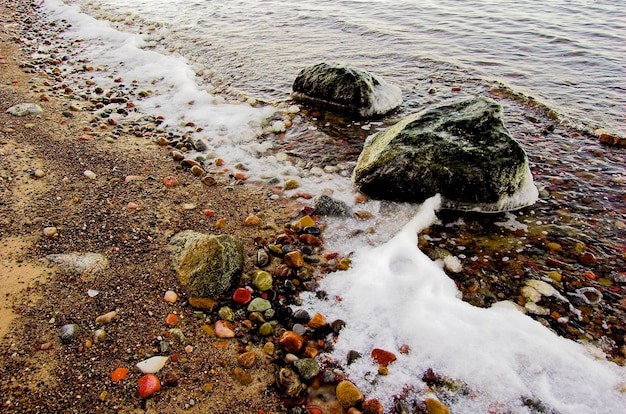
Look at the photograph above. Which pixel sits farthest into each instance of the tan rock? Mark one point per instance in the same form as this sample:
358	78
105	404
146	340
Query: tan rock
435	407
206	304
348	394
294	259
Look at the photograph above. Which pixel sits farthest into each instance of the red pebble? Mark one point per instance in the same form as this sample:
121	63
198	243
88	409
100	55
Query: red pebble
170	181
148	385
242	296
382	357
313	409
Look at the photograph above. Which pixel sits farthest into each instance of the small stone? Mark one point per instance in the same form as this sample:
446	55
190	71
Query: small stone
99	335
435	407
189	206
310	240
247	359
24	109
197	171
291	341
90	174
170	296
170	181
69	332
171	319
252	220
294	259
208	180
555	275
106	318
206	304
269	348
242	296
348	394
587	259
266	329
148	385
189	349
372	406
152	365
262	280
259	305
50	231
39	173
308	368
119	374
292	184
262	258
243	377
306	221
317	321
325	205
224	329
382	357
226	313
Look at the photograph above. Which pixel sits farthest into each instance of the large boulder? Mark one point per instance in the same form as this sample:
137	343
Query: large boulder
461	150
206	265
346	89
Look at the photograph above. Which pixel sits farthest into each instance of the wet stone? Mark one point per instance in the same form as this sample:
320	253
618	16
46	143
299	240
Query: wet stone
348	394
307	368
259	305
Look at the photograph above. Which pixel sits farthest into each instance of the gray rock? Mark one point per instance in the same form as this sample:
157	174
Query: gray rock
307	368
325	205
80	263
24	109
206	265
69	332
345	89
461	150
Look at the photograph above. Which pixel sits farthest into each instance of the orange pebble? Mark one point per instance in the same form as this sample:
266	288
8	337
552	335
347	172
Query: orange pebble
119	374
172	319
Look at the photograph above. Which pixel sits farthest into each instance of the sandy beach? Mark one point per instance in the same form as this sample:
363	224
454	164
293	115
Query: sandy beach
43	159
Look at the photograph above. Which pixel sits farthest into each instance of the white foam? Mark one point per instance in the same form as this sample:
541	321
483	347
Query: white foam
385	97
395	295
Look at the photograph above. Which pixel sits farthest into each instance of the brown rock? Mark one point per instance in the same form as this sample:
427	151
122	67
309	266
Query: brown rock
382	357
291	341
294	259
587	259
372	406
247	359
206	304
317	321
243	377
310	240
348	394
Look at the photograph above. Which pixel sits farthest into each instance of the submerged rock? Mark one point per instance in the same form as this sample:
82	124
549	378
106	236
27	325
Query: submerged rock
461	150
346	89
206	265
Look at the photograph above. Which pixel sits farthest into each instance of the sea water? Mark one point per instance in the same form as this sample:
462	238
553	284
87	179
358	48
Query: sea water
394	295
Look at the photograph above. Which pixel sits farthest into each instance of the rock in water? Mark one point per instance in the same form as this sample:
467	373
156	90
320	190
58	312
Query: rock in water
461	150
346	89
206	265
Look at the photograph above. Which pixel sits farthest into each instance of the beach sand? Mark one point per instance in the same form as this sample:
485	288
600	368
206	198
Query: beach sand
42	185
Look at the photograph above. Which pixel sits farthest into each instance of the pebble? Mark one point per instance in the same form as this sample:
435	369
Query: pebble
242	296
90	174
206	304
262	258
106	318
170	181
170	296
292	184
226	313
294	259
50	231
243	377
269	348
348	394
148	385
39	173
197	171
266	329
24	109
435	407
259	305
189	206
325	205
262	280
382	357
252	220
119	374
224	329
307	368
317	321
99	335
69	332
152	365
291	341
171	319
247	359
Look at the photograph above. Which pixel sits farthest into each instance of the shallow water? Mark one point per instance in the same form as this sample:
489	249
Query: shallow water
567	55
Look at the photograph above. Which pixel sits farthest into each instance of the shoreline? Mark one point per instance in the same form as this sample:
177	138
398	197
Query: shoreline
96	215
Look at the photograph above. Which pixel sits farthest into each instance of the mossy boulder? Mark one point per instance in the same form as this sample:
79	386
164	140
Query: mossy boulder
461	150
206	265
346	90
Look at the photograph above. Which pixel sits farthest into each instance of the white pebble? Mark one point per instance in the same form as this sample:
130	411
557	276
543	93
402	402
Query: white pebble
152	365
170	296
90	174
